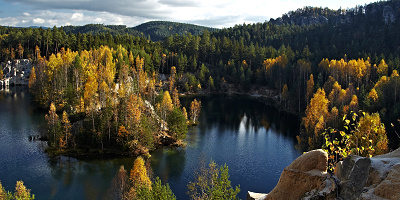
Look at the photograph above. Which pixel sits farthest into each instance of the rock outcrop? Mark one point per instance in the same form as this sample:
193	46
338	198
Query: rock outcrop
307	174
353	175
355	178
383	177
386	11
16	72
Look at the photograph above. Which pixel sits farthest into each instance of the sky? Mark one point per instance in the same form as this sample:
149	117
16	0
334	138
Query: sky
212	13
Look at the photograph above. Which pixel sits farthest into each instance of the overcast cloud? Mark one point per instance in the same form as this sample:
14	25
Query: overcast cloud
213	13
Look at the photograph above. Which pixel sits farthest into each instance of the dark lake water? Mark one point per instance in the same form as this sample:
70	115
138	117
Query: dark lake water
256	142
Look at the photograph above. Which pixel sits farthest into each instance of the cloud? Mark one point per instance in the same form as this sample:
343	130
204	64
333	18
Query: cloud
214	13
8	21
179	3
150	9
38	21
77	17
227	21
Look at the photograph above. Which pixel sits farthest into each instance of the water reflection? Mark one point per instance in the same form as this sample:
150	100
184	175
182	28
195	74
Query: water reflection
169	164
24	159
229	112
254	140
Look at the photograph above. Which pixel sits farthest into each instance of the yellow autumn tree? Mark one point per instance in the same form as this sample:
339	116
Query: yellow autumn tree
317	108
184	112
66	129
22	193
138	177
171	83
166	105
89	95
4	194
195	110
373	95
123	135
333	97
134	115
370	137
353	106
310	88
382	68
32	77
175	98
53	124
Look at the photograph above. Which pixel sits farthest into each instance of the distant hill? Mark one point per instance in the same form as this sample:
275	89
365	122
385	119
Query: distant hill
156	30
101	28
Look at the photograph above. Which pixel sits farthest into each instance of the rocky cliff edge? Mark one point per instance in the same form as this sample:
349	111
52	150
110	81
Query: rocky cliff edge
354	178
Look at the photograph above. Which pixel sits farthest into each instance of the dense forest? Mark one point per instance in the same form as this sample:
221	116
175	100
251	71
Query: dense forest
336	68
113	101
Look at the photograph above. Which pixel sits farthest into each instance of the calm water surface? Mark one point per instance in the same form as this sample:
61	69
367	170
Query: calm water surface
254	140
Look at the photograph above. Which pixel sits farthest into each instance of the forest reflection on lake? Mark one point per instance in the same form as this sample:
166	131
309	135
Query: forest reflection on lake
256	142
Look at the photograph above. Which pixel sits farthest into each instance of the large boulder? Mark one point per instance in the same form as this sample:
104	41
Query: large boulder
353	174
370	178
306	176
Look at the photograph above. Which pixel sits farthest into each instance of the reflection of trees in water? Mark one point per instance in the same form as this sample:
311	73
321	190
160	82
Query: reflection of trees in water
170	164
227	113
95	175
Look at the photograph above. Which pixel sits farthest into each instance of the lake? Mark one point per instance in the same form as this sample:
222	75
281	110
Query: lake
256	141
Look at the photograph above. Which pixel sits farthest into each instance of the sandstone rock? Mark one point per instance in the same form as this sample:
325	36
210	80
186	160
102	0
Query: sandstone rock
390	187
376	178
327	191
315	159
306	173
384	177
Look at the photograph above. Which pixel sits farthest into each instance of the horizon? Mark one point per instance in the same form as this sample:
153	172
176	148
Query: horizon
50	13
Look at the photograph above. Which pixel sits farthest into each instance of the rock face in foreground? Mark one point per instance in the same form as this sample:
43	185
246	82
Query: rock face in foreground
307	174
355	178
370	178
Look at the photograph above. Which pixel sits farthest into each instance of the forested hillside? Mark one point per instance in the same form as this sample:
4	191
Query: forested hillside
95	29
158	30
325	64
155	30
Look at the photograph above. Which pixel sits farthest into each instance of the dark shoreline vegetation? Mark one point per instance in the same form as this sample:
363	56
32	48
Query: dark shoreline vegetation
119	93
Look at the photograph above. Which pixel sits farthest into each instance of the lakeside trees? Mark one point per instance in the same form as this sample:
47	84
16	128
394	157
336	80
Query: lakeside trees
21	192
138	184
212	182
108	101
